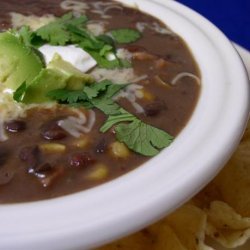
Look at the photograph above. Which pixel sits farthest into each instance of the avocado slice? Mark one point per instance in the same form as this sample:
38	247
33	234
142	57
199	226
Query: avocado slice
76	78
47	80
18	63
59	74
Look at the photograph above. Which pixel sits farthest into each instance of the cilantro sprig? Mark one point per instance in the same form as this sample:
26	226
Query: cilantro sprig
97	95
137	135
67	96
57	33
140	137
69	29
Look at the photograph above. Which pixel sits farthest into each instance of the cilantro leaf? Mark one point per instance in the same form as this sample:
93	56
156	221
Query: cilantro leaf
125	35
143	138
104	89
67	96
105	50
76	21
99	47
19	93
94	90
100	95
107	106
107	40
137	135
56	32
112	120
97	95
84	38
113	89
103	62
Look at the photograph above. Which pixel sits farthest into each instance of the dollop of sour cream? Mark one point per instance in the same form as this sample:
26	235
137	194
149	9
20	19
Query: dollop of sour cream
72	54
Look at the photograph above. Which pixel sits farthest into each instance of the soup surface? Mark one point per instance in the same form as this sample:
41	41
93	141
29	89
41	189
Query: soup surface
57	146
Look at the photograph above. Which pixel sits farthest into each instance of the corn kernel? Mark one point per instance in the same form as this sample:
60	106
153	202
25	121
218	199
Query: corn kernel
81	142
99	172
119	150
147	95
52	148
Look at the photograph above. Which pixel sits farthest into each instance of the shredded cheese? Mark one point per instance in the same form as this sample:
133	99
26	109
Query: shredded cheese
34	22
132	93
117	76
141	26
77	7
75	126
185	74
96	27
102	7
124	54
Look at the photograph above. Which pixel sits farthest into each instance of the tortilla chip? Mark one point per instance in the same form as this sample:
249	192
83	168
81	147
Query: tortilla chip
226	200
182	230
189	224
232	185
226	226
164	237
234	181
138	241
156	237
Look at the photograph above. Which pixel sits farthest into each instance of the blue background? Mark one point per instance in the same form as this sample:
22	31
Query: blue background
231	16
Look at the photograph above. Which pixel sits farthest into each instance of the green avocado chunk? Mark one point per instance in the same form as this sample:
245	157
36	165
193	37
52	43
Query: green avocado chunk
59	74
75	78
18	63
46	81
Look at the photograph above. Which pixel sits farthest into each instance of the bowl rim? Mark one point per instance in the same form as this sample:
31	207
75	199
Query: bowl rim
60	223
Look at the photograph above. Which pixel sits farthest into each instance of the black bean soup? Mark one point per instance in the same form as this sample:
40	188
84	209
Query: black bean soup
41	160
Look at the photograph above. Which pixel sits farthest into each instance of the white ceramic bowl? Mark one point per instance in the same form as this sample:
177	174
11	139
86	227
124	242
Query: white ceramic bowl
87	219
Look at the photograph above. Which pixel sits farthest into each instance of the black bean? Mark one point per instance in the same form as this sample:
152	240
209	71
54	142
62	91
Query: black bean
30	155
101	146
46	173
154	108
52	131
42	171
81	160
15	126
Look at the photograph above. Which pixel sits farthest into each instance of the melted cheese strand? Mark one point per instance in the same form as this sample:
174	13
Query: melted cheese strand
76	7
131	93
96	27
185	74
117	76
75	125
141	26
101	8
112	7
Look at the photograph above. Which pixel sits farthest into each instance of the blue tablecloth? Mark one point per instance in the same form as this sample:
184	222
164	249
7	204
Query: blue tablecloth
231	16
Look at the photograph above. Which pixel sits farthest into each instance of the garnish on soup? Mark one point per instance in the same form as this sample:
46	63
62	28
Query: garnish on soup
87	96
